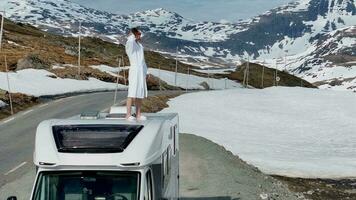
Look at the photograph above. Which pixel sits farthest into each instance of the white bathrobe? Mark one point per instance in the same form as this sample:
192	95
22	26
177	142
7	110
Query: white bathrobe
138	69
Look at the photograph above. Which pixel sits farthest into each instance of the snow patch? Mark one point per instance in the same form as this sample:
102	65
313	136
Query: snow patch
2	104
38	83
294	132
191	81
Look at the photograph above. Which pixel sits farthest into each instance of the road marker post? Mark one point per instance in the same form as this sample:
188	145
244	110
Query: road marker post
277	80
2	27
159	78
245	73
285	60
117	83
186	89
248	70
123	68
8	85
276	74
263	74
79	47
176	71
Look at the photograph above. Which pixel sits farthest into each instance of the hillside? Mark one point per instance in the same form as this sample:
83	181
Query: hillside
269	77
316	36
47	49
28	47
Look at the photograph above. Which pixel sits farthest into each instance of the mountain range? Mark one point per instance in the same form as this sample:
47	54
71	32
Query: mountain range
313	39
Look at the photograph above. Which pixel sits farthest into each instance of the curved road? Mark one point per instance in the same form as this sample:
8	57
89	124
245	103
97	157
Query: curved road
17	133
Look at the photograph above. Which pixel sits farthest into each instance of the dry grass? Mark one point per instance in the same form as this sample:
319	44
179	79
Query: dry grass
20	102
255	77
322	189
157	103
54	49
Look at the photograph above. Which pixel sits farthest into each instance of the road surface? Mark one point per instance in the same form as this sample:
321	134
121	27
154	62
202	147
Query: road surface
17	133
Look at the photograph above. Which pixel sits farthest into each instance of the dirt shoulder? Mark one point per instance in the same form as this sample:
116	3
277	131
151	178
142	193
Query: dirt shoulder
208	171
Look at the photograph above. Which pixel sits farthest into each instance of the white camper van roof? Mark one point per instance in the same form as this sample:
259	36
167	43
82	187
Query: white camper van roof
101	141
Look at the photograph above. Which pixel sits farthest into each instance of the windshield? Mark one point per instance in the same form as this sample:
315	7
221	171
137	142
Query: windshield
87	185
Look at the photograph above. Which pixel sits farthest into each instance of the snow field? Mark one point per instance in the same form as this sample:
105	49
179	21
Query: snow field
38	83
293	132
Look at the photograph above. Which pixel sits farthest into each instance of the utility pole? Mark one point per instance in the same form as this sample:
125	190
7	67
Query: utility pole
79	48
8	86
117	82
175	76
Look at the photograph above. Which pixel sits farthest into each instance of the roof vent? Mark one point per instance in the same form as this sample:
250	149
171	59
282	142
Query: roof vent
118	112
90	115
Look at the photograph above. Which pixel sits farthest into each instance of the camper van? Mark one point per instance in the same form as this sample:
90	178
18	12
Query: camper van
102	156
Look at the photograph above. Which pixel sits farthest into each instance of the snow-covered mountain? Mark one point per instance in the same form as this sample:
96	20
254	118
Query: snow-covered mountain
316	37
63	16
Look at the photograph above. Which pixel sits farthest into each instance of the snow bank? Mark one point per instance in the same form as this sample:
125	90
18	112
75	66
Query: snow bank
38	83
286	131
192	81
110	70
2	104
216	71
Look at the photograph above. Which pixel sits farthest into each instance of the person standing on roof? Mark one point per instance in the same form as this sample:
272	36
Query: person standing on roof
137	74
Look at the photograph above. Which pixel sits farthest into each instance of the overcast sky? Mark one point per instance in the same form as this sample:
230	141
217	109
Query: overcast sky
199	10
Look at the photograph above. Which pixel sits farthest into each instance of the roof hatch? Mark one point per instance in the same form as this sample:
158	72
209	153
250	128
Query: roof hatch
103	138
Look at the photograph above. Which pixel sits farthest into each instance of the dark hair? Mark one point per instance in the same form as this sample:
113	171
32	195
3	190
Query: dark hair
135	30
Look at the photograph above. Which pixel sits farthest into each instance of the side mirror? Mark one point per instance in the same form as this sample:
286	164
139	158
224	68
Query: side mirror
12	198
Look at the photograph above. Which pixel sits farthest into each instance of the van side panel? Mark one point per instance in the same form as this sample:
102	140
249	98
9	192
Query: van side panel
157	179
170	163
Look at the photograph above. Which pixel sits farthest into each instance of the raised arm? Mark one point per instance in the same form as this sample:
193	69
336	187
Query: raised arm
130	45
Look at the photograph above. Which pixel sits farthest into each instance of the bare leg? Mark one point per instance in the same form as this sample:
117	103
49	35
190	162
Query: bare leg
138	104
128	107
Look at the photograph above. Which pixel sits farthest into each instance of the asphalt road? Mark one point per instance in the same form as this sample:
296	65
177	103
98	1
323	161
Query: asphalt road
17	134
